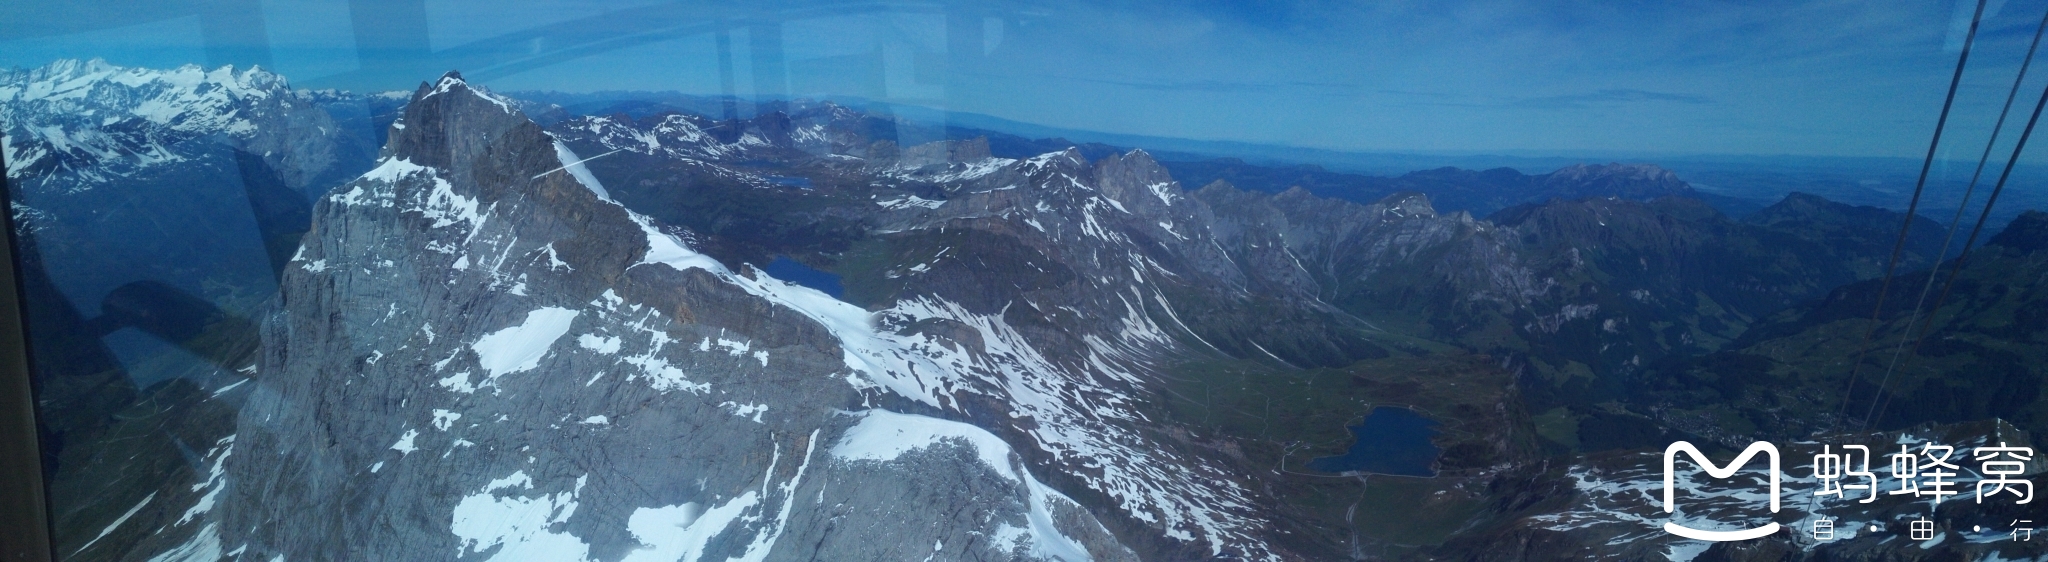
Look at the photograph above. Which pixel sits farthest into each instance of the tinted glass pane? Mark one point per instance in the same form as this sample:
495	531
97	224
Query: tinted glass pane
461	280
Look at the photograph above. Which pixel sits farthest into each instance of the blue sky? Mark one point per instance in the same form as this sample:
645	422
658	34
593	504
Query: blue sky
1838	78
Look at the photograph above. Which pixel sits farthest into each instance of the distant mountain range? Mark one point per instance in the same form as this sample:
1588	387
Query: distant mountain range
1735	183
655	330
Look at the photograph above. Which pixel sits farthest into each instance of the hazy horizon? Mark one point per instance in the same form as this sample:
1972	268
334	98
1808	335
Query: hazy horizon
1820	79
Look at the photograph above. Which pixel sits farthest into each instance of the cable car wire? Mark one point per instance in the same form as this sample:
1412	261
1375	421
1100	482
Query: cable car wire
1916	336
1913	206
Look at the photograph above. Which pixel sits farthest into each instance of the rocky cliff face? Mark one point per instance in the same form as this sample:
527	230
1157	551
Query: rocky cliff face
481	354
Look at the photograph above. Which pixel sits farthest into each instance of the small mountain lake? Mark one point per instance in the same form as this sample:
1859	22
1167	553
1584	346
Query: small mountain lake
1391	440
796	272
791	181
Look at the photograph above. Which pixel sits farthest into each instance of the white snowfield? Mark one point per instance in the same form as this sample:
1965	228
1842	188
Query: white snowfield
205	544
519	348
882	435
518	526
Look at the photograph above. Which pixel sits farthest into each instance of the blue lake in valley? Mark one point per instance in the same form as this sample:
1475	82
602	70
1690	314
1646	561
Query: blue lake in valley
791	181
795	272
1391	440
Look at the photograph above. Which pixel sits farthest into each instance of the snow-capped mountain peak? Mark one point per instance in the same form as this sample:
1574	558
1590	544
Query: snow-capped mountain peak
73	124
186	98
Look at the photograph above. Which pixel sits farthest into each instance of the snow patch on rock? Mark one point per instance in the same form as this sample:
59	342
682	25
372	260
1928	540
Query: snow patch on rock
520	348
